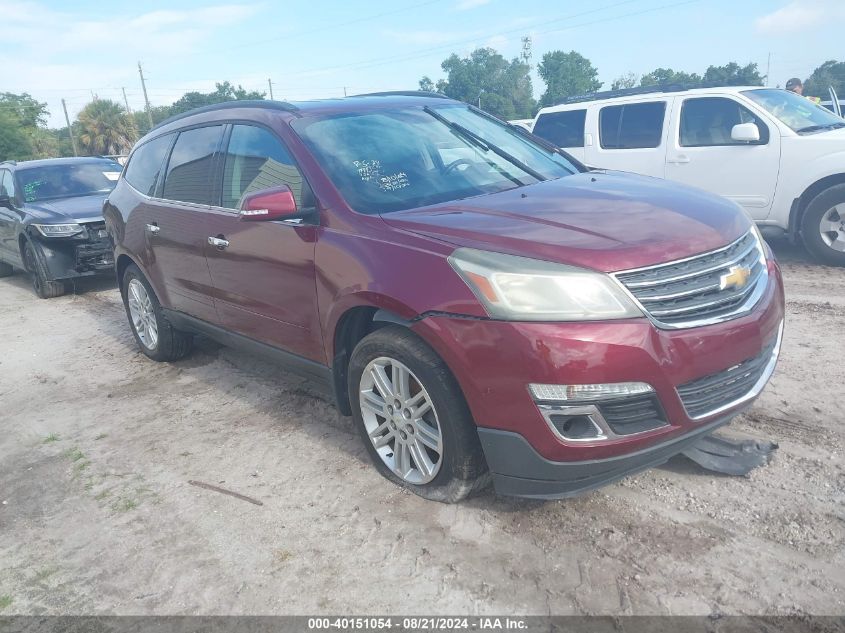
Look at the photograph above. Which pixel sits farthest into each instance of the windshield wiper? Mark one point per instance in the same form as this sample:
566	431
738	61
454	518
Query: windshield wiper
816	128
484	144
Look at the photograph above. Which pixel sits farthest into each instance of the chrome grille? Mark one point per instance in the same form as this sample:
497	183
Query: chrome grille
722	390
692	291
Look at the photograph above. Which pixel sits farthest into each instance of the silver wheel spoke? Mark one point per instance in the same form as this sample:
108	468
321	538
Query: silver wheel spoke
401	378
402	459
382	441
382	382
428	436
421	458
829	226
372	401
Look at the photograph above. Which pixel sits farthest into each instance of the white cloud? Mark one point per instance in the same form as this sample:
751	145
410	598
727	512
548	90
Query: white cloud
800	15
465	5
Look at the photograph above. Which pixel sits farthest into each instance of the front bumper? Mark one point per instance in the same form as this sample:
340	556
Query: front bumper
89	253
494	361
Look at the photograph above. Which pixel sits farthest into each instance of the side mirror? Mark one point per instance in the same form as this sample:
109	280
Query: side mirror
274	203
745	133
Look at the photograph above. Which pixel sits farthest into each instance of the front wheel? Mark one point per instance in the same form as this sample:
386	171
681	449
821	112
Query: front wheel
412	417
823	226
154	334
41	284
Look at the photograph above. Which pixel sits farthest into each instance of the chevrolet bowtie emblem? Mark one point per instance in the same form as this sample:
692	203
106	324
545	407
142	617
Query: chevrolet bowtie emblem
736	277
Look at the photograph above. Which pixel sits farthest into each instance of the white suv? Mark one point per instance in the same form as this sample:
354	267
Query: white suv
778	155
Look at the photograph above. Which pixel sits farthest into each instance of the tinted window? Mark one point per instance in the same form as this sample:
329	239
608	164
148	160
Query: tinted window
189	170
147	161
709	121
635	125
255	160
7	184
68	180
564	129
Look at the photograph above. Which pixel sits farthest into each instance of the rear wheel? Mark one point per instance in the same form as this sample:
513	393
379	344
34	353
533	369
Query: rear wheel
44	287
412	417
823	226
154	334
6	270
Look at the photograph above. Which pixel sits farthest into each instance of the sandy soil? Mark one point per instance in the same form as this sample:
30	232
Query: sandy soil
98	445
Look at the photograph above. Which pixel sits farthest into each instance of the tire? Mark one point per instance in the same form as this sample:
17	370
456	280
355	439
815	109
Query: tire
6	270
458	469
826	211
44	287
155	336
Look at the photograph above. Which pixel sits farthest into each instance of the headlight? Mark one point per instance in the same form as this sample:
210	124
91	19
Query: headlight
58	230
522	289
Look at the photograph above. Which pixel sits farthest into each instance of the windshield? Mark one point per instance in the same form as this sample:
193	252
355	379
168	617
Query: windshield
68	181
390	160
799	113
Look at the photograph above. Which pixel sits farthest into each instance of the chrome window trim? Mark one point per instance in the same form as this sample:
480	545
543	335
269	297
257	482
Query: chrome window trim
753	392
762	284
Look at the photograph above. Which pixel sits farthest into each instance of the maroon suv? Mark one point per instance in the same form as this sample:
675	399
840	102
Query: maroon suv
478	301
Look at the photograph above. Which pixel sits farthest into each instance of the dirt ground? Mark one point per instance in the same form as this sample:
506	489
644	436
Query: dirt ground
98	443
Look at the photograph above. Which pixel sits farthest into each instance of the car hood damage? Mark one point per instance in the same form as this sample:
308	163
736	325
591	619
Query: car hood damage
605	221
77	209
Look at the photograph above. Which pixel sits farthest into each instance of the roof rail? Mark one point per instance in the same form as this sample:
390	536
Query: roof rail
641	90
405	93
226	105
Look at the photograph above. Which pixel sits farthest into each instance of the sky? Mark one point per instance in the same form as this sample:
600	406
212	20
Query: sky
321	49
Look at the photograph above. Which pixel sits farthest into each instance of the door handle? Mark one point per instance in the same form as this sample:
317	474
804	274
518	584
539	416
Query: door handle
219	242
153	228
680	159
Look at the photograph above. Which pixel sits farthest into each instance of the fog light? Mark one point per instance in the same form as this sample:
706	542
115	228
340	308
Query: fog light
587	393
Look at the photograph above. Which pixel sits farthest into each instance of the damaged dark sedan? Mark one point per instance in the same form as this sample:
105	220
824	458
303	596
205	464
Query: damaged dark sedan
51	222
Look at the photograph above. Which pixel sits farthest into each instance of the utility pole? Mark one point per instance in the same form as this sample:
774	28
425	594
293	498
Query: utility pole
344	91
69	129
768	69
130	115
146	99
270	83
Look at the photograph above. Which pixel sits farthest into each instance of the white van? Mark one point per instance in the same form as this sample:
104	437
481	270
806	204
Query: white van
778	155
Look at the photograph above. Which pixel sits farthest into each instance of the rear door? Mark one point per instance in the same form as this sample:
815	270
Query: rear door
264	277
703	154
175	222
631	137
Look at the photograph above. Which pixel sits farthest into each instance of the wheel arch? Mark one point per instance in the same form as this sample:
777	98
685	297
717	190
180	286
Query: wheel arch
800	204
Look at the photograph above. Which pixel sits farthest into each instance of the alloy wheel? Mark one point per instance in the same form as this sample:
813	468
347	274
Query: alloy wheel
832	228
401	421
142	313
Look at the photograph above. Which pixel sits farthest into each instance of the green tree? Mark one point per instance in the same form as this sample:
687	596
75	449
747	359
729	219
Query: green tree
566	75
22	132
628	80
733	74
503	87
668	77
223	92
15	144
831	73
105	128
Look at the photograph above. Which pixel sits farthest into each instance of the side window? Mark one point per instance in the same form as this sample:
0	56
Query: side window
256	159
190	166
7	183
708	121
633	125
146	164
563	129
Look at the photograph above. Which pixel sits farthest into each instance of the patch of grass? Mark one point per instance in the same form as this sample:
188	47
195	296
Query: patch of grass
105	494
5	602
124	505
53	437
101	436
281	555
78	467
74	454
43	574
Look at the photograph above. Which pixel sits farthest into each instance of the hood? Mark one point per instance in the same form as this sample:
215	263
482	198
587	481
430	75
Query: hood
77	209
605	221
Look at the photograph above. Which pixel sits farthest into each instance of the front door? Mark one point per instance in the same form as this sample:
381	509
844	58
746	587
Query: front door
703	154
9	219
264	277
631	137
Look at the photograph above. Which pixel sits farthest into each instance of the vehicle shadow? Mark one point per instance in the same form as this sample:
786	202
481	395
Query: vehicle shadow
78	286
791	253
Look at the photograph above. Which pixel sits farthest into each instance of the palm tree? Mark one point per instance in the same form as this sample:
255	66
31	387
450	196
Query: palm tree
105	128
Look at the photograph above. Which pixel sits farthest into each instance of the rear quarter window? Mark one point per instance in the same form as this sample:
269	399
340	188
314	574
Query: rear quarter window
563	129
632	125
146	164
